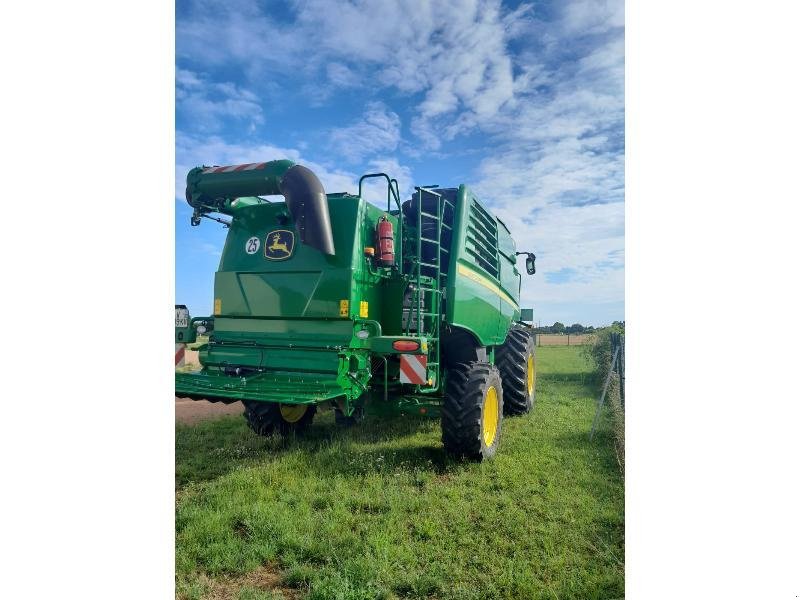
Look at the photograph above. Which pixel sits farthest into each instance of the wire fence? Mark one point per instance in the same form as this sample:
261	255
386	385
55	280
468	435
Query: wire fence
616	392
618	347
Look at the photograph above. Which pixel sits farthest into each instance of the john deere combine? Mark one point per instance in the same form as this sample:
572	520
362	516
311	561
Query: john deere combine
324	298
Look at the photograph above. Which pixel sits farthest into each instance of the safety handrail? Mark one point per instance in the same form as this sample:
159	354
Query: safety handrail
393	189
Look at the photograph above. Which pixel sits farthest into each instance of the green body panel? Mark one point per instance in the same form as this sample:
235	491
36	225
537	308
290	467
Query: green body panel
484	303
307	284
270	387
279	320
294	325
292	305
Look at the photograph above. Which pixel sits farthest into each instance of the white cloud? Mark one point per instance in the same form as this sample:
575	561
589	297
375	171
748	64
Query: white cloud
453	52
187	79
341	76
556	176
208	104
377	132
593	16
236	32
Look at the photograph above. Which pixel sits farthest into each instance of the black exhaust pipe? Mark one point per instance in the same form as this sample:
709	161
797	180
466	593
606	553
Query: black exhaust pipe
209	189
308	205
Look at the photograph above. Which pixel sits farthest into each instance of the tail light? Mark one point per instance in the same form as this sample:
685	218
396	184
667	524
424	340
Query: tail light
405	345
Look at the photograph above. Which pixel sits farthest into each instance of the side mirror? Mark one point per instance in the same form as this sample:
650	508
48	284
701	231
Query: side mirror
530	262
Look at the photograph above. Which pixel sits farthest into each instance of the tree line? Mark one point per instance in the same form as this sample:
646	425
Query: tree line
576	328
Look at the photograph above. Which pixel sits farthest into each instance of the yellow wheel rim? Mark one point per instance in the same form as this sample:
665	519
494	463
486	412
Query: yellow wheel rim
292	413
531	374
491	414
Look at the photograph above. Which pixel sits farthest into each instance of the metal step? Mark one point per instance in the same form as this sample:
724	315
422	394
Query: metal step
429	317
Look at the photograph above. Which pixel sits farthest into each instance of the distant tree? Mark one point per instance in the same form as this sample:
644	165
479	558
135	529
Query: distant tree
589	329
558	327
576	328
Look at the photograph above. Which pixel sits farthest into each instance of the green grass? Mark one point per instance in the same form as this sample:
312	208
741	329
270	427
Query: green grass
378	511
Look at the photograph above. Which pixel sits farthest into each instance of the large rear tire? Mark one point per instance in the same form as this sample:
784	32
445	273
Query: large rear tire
516	360
472	414
266	418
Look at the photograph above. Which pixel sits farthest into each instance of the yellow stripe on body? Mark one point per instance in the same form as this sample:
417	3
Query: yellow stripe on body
487	283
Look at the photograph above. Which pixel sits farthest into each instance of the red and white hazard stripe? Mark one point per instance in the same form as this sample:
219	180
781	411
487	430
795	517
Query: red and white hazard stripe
413	369
180	355
234	168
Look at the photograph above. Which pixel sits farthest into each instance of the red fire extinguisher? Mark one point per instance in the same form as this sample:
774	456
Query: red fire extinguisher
385	233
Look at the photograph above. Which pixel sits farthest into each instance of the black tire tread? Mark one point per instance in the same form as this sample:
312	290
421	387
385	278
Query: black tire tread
264	418
511	360
463	406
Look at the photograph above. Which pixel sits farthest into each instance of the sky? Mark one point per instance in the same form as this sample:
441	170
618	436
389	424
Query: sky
522	101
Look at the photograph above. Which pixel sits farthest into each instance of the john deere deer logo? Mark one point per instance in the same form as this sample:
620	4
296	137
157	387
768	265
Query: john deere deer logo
280	244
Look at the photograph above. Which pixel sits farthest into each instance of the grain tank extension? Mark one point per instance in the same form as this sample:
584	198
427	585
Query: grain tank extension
326	299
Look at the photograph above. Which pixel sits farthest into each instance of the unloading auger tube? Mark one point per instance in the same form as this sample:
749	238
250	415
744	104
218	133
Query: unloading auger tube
216	189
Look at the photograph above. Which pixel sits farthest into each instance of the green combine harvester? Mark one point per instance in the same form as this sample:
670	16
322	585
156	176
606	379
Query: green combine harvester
325	298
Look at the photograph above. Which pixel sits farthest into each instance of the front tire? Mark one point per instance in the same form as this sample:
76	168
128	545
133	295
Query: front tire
266	418
516	360
472	414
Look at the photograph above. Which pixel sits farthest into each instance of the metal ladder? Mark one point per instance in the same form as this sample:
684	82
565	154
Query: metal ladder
429	289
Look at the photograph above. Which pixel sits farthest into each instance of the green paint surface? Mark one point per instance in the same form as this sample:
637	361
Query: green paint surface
279	302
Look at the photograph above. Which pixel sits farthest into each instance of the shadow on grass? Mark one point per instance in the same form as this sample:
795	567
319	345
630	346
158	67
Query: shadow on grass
212	449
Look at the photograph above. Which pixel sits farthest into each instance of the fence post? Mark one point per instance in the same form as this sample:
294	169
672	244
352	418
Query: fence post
621	370
603	395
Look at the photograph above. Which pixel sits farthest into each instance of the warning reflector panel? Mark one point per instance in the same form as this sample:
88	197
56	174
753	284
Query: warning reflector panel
180	355
413	369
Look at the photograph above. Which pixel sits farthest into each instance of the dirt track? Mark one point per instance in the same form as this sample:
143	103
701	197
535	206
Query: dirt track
191	411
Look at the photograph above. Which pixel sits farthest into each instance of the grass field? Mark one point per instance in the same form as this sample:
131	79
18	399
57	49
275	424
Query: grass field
378	511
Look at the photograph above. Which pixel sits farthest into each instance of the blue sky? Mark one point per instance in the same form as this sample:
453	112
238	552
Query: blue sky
522	101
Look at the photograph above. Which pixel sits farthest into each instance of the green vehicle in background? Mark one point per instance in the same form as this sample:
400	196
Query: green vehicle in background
325	298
